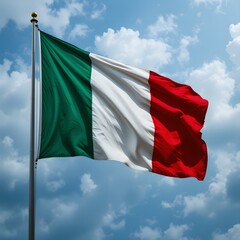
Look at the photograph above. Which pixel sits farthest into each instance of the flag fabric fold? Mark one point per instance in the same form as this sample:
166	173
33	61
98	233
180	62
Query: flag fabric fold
99	108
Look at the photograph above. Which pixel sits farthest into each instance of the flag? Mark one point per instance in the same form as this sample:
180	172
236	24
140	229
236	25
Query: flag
99	108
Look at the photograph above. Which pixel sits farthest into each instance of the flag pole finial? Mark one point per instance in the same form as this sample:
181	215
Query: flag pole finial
34	15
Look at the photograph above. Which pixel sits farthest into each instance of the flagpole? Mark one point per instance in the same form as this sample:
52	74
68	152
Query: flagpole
31	226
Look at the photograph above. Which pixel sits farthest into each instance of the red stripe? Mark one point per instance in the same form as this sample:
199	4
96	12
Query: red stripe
178	114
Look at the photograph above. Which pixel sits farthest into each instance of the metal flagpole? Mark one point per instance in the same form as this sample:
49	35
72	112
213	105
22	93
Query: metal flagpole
31	226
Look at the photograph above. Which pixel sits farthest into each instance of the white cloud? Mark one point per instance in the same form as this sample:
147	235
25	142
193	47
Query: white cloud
177	201
14	168
166	204
43	226
232	186
7	141
208	1
109	220
14	97
163	25
55	185
64	209
57	19
13	91
6	232
87	184
217	3
195	203
14	132
79	30
227	164
127	46
211	76
173	232
98	234
148	233
5	215
233	47
98	11
167	181
234	30
185	42
176	232
232	234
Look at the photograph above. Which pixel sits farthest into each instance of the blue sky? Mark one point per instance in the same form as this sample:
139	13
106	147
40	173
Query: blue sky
191	41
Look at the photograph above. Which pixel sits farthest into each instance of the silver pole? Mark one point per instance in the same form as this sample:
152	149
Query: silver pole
31	226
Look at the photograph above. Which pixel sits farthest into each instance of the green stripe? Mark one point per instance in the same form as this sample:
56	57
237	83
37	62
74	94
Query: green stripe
66	100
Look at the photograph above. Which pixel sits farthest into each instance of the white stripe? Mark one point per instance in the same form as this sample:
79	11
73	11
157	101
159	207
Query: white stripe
123	129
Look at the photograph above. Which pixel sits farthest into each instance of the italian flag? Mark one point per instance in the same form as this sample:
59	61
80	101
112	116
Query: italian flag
102	109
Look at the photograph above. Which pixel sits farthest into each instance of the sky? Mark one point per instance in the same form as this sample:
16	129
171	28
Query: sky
196	42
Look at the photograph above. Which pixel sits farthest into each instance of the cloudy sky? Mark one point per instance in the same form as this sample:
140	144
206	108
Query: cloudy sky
191	41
